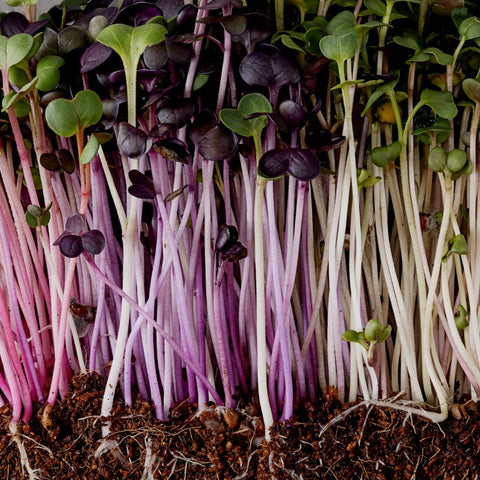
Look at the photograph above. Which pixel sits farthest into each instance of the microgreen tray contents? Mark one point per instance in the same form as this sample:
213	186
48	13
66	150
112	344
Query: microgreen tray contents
240	206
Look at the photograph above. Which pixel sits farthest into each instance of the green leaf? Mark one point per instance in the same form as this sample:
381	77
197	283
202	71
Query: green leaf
437	159
458	245
383	155
250	104
254	103
353	336
349	83
200	81
343	23
340	48
441	102
130	42
146	35
90	150
290	43
365	180
13	97
62	117
375	332
408	41
437	56
67	117
14	49
89	107
461	318
456	160
470	28
118	38
441	125
363	28
376	7
384	89
48	72
21	108
235	121
36	216
17	76
312	40
471	87
419	57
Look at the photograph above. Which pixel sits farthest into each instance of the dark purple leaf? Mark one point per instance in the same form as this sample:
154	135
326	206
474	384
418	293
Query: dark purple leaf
158	131
300	163
274	163
178	50
227	236
109	13
141	191
58	159
293	114
71	38
174	48
317	137
334	143
49	45
138	13
70	245
116	78
93	242
303	164
94	56
258	29
50	161
149	78
235	253
186	18
13	23
110	112
176	112
235	24
132	141
203	123
142	185
155	56
170	8
75	224
173	149
34	27
311	81
222	3
268	70
66	160
218	144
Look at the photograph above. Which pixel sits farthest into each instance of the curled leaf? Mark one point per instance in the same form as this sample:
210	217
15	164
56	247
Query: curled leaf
132	141
142	185
227	236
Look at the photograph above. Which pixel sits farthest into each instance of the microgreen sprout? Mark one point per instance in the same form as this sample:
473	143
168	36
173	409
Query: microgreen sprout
198	201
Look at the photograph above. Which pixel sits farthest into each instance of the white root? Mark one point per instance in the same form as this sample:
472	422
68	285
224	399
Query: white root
24	461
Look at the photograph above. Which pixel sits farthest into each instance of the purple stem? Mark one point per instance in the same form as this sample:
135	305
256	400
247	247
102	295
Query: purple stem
176	347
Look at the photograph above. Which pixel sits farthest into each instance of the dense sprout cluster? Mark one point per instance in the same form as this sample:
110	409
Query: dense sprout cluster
248	197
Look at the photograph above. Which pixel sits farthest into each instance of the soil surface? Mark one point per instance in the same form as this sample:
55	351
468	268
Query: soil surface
326	439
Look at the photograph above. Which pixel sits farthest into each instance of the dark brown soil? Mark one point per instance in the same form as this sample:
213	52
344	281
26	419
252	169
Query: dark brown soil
364	443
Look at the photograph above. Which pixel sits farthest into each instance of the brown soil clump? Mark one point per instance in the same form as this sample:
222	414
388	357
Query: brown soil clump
325	440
